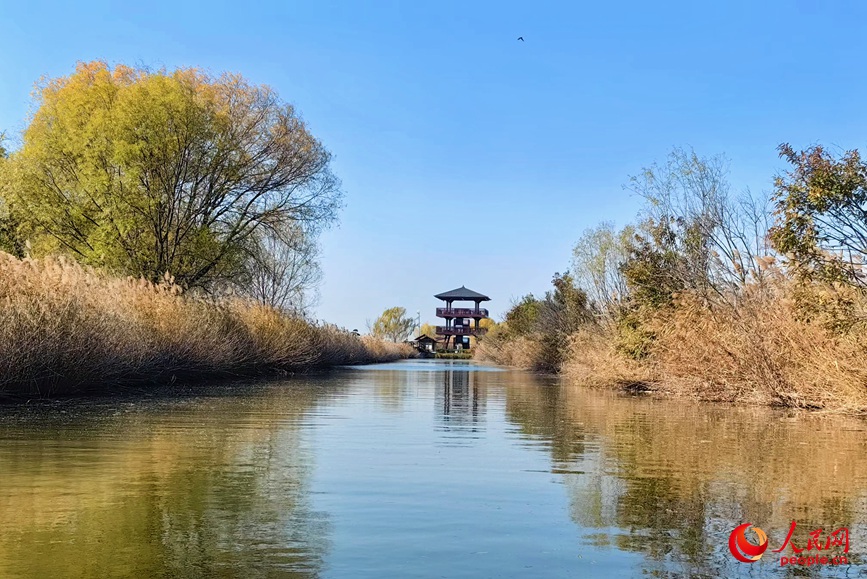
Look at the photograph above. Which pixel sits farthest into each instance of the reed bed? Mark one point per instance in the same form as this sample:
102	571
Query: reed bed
519	352
777	343
68	329
762	349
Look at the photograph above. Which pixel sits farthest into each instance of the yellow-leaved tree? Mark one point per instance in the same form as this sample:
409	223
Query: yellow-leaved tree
147	172
427	329
393	324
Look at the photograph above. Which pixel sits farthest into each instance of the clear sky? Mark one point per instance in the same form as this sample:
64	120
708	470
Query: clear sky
468	157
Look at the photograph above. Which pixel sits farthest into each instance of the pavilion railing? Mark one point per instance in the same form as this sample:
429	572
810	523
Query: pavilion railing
462	313
459	331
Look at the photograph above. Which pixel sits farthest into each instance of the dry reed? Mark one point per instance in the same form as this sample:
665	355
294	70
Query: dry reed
520	352
757	350
65	328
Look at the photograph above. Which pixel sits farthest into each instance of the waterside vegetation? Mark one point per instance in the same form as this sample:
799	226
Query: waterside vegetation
68	329
743	298
161	225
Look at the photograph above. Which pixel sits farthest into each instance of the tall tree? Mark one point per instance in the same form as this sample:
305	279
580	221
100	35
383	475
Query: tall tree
283	269
148	172
522	318
597	265
821	210
393	325
10	241
717	237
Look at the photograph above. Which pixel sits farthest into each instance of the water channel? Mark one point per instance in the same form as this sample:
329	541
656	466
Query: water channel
421	468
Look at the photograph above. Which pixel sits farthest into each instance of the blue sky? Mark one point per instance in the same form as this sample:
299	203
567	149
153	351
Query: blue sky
444	126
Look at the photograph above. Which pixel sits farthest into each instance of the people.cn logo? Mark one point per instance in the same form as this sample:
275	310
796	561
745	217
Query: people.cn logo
744	550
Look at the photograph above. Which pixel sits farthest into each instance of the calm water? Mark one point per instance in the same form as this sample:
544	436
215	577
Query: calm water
417	469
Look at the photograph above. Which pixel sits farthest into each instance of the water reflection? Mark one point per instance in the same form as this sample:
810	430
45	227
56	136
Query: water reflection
392	390
422	468
671	479
195	488
462	399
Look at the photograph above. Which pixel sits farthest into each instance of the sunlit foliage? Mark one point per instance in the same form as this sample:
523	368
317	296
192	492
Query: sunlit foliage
393	324
821	206
145	171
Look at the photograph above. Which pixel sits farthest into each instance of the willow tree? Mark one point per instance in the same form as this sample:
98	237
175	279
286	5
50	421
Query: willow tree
283	269
393	325
154	172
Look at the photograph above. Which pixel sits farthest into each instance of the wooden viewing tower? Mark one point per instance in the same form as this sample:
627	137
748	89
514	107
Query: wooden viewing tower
461	323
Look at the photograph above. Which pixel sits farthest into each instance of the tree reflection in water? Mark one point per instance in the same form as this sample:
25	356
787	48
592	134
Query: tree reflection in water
219	484
202	487
671	479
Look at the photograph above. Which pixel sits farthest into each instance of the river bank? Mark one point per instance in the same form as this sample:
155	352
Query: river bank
598	365
762	351
66	329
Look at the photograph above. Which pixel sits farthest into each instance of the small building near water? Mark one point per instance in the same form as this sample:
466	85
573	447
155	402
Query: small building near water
425	343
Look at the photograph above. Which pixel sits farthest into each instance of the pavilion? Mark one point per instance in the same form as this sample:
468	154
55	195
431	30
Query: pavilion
461	323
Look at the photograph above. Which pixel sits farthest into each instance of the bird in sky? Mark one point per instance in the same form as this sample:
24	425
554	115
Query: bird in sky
521	38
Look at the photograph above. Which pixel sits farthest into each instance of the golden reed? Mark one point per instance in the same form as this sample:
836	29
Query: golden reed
65	328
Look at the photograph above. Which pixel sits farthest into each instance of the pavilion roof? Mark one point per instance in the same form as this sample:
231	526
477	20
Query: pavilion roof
462	293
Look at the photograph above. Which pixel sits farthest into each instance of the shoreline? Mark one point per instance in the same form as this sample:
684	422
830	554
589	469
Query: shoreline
600	367
66	329
120	387
224	384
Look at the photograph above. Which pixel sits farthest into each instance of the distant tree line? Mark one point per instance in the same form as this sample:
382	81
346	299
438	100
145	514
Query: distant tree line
697	239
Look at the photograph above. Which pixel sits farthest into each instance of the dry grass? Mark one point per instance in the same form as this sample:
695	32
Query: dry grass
593	360
67	329
519	352
759	351
763	351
